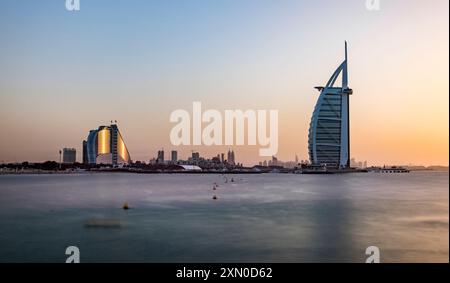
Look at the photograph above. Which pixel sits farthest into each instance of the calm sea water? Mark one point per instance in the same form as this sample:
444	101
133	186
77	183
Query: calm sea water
258	218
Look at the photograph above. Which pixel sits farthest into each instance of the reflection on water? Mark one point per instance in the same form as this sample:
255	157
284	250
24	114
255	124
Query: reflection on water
257	218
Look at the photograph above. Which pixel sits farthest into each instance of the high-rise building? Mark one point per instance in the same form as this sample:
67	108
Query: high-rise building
160	158
231	158
91	147
106	146
174	156
85	156
69	155
274	161
85	160
329	132
353	163
195	156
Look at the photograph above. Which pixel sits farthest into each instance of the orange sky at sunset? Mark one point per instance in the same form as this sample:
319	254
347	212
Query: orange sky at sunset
62	75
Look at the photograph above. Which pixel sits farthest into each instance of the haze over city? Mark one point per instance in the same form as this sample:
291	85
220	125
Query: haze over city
64	73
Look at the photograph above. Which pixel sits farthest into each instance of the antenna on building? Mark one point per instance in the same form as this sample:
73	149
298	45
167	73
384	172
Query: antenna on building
346	51
345	70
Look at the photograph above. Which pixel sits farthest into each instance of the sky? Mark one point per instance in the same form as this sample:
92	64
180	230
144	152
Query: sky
63	73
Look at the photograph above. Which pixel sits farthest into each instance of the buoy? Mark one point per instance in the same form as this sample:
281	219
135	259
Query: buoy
125	206
214	188
214	197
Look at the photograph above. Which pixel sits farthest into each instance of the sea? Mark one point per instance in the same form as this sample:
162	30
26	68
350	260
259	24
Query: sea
263	218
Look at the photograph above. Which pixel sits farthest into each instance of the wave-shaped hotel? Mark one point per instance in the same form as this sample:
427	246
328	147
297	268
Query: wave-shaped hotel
105	146
329	132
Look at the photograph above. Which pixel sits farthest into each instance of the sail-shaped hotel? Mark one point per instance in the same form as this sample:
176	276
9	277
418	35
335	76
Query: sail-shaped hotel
106	146
329	131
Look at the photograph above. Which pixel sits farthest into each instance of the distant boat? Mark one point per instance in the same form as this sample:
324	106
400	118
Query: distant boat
391	170
316	170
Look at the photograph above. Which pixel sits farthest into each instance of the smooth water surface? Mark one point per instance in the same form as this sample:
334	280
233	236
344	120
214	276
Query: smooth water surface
257	218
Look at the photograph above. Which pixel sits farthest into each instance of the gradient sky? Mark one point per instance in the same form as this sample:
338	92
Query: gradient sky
63	73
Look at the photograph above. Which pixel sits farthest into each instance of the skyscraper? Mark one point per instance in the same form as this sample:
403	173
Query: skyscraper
174	157
160	158
85	156
91	147
231	157
106	146
69	155
274	161
329	132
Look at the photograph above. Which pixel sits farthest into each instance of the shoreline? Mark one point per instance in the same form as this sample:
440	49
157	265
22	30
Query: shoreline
153	172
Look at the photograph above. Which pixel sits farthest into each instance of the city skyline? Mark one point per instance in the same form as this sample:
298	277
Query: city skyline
63	73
